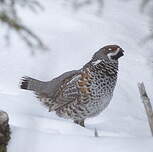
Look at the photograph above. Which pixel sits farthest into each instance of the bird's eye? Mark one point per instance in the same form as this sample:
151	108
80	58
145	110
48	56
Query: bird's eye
109	49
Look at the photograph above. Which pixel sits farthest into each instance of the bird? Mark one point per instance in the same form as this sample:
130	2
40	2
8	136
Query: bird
80	94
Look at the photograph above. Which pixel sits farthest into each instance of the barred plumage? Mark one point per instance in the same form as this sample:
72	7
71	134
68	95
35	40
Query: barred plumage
83	93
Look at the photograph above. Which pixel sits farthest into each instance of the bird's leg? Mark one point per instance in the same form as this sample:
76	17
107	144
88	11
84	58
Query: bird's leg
79	122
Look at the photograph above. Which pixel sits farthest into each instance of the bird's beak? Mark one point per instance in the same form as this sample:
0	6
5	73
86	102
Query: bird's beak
120	53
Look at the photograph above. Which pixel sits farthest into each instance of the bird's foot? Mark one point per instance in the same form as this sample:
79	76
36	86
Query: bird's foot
79	122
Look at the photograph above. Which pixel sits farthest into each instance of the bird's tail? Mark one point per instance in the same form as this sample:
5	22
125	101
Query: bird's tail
28	83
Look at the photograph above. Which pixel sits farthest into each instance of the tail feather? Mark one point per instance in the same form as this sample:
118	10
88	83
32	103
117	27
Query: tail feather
38	87
28	83
24	83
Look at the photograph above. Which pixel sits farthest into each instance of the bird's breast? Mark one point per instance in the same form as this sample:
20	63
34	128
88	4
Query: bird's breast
95	85
102	85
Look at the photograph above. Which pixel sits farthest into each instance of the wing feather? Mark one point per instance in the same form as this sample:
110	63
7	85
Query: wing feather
67	93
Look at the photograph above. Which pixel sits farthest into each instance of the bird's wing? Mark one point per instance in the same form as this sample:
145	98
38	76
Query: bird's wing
67	92
50	88
75	89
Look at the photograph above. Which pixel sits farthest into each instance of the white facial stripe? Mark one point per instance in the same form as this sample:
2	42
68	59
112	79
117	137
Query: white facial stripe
96	62
113	53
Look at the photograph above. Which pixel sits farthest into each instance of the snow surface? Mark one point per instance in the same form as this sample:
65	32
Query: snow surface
73	38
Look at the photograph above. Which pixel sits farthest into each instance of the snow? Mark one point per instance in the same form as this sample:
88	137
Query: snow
56	143
73	38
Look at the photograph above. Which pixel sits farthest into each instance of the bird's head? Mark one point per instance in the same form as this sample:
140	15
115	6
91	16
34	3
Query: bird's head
110	52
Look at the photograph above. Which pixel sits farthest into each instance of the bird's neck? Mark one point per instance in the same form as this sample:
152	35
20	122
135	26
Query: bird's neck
103	66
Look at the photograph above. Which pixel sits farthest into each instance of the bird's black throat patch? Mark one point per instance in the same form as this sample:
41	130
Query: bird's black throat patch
117	56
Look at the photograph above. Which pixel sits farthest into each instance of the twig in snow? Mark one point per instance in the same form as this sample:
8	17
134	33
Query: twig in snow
147	104
96	133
